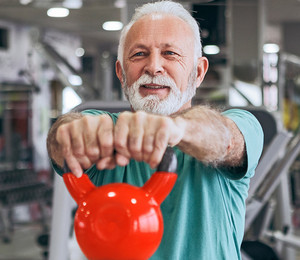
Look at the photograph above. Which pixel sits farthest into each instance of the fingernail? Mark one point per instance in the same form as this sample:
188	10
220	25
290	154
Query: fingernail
152	165
78	173
100	166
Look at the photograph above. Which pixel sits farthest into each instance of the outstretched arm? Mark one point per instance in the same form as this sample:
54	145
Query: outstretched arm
199	131
205	134
211	137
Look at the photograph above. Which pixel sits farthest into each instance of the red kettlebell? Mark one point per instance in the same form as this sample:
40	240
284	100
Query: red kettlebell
120	221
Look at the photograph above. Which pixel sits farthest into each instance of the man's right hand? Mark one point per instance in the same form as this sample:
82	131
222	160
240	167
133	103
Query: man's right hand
81	144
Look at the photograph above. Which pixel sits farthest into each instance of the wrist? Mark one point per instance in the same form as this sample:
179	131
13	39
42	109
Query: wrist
180	124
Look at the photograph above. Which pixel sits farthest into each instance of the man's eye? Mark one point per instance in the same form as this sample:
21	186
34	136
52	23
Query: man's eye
139	54
169	53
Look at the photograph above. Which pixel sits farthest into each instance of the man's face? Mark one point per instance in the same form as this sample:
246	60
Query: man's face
159	73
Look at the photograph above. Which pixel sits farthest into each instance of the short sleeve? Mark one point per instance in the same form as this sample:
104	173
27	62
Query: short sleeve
253	136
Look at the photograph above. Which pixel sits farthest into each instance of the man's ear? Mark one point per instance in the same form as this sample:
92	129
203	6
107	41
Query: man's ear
202	67
119	72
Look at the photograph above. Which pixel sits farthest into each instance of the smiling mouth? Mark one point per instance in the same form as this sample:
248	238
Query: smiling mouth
154	86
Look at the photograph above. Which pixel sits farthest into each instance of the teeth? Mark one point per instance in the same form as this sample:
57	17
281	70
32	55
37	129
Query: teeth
156	87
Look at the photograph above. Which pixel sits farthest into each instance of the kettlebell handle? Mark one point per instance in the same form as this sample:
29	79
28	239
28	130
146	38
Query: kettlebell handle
167	164
169	161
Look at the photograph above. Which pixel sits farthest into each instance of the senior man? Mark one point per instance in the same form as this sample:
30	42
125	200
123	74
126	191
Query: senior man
160	66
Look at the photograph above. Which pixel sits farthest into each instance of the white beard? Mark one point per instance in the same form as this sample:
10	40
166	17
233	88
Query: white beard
152	103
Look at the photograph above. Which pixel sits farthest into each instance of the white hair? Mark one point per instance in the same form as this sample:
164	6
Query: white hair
167	8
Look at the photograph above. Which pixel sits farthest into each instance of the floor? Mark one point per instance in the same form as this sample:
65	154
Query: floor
23	245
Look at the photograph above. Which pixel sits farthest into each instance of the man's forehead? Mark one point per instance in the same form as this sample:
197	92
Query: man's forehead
158	18
157	25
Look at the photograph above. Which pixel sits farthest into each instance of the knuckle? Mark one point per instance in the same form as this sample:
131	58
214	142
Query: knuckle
124	115
105	119
78	153
159	146
61	131
147	149
106	147
92	152
162	136
87	123
66	151
161	142
106	142
134	148
85	119
164	123
139	116
106	139
72	127
77	149
120	146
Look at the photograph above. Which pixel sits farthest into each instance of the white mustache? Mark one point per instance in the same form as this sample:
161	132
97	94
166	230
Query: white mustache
157	80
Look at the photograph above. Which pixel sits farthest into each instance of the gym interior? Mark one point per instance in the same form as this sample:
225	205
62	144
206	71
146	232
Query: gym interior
53	61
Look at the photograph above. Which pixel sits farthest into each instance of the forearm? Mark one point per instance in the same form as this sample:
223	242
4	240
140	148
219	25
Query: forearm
211	137
53	147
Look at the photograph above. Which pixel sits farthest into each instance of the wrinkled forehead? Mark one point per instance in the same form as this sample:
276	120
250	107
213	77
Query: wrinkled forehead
159	26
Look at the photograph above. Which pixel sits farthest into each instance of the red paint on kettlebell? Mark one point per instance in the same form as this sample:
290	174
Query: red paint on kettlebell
119	221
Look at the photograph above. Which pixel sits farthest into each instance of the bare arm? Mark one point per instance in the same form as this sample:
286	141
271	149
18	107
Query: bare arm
205	134
199	131
211	138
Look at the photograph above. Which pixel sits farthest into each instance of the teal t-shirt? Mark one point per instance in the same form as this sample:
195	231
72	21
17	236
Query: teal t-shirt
204	213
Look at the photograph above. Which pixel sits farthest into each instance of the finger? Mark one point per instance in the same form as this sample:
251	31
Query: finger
121	160
160	145
78	151
71	139
148	144
91	145
136	135
121	133
74	166
64	139
106	163
105	136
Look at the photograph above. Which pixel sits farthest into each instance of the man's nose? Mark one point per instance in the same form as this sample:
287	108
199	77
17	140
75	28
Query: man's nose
154	65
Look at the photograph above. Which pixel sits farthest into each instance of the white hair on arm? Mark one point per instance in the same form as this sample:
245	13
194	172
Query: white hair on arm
167	8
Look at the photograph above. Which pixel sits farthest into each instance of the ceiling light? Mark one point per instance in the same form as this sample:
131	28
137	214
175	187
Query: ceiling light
271	48
120	3
75	80
79	52
72	4
112	26
211	49
58	12
25	2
